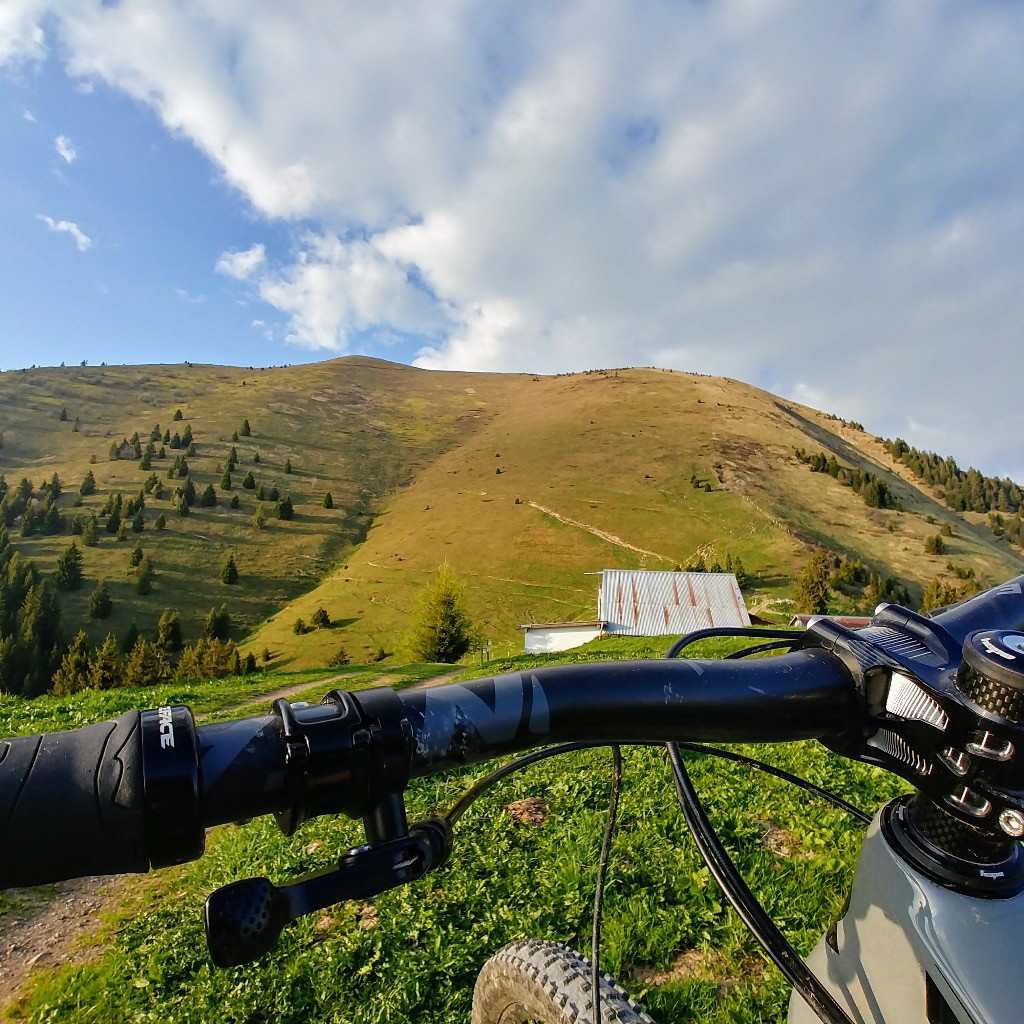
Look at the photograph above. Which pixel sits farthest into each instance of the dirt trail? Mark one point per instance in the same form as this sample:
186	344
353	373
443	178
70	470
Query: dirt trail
43	931
610	537
46	929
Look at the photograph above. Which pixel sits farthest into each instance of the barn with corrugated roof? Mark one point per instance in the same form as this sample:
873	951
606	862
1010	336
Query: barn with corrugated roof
640	602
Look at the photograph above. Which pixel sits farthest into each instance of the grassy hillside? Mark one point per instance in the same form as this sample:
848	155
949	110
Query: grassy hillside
526	484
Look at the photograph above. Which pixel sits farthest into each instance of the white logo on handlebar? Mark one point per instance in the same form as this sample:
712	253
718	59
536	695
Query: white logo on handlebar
164	715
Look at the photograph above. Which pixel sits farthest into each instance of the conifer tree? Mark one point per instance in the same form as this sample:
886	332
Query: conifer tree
145	665
245	431
88	485
144	576
168	631
328	500
38	641
209	498
90	532
235	503
161	521
105	670
138	522
130	637
442	629
285	509
136	556
177	415
100	603
812	585
73	674
287	465
249	482
229	571
225	480
67	573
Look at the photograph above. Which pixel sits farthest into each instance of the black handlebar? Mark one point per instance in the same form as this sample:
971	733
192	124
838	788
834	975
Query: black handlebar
138	792
72	803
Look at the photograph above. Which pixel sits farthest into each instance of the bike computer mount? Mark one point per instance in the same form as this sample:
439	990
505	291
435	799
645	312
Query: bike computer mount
949	719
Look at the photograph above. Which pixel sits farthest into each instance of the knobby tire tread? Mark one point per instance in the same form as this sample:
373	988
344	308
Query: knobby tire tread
533	980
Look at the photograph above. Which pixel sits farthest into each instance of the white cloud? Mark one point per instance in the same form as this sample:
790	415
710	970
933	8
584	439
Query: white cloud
65	149
241	264
188	298
336	289
29	116
82	240
824	199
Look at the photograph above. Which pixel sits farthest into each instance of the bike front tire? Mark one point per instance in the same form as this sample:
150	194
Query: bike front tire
531	980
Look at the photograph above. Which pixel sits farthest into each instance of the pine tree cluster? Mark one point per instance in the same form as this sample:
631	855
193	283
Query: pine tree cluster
962	491
872	489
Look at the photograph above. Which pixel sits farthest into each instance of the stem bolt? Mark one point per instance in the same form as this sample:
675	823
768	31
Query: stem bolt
1012	823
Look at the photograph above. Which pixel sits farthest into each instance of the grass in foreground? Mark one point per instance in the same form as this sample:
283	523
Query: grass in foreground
414	954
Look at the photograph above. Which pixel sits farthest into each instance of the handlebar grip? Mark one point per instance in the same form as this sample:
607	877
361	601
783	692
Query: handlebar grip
72	803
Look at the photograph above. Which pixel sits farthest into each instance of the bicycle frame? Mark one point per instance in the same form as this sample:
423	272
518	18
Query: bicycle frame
909	950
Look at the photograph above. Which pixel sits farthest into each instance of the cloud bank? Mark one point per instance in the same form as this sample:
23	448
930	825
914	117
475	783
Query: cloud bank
821	199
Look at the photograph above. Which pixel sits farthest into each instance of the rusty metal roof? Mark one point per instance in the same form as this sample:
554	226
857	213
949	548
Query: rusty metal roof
638	602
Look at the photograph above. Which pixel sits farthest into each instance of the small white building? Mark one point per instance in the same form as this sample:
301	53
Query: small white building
545	637
639	602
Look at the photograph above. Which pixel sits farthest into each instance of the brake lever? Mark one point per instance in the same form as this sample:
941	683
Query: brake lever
244	920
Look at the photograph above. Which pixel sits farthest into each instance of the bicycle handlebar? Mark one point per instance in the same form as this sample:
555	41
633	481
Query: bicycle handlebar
139	792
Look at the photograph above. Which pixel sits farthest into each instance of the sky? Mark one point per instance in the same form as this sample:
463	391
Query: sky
824	200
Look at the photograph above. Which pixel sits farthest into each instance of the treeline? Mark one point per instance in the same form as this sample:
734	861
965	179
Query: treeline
874	491
30	624
139	661
969	491
732	563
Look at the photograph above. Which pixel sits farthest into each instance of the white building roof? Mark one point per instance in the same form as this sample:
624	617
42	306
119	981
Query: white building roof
649	603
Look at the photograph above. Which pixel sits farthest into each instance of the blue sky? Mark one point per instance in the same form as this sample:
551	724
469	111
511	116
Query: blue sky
157	216
825	200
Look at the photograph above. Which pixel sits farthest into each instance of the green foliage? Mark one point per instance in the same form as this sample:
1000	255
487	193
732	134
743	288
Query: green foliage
320	619
234	503
285	509
100	603
935	545
229	571
168	631
812	585
249	664
225	481
209	497
73	673
442	628
328	500
161	522
106	666
246	430
962	491
299	627
287	465
67	573
146	665
177	416
218	624
136	556
88	485
208	659
144	576
249	481
338	658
